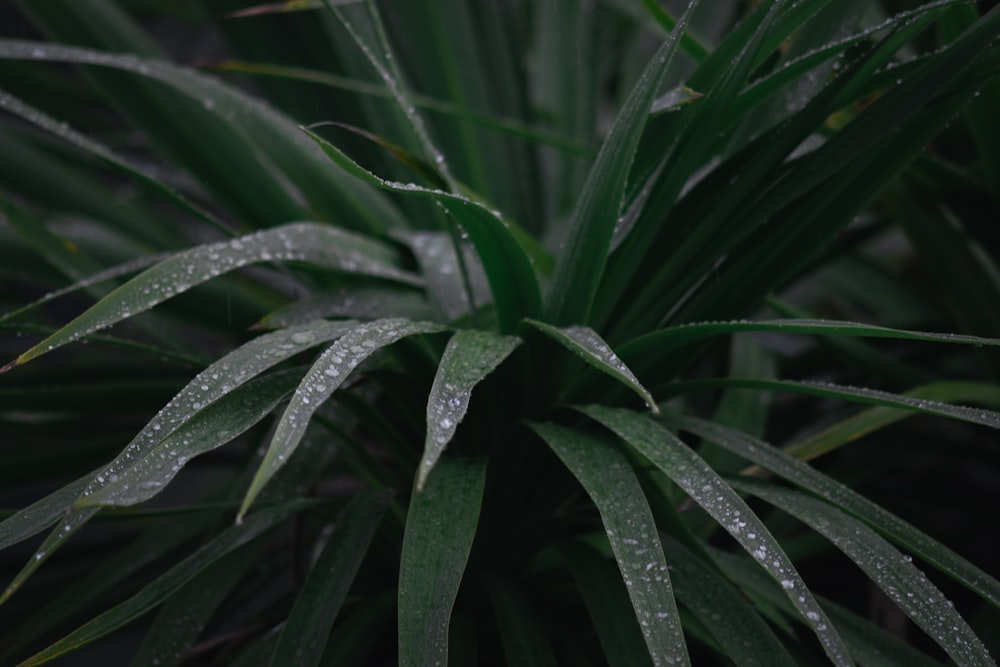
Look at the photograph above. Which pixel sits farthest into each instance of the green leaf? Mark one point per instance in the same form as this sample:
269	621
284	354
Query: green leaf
869	644
502	124
158	590
658	344
71	521
893	572
260	131
741	633
207	387
440	528
323	378
724	505
162	537
305	633
608	603
507	264
186	612
689	44
307	242
144	474
857	394
470	356
578	271
125	268
609	480
146	453
873	419
41	514
803	475
589	346
64	131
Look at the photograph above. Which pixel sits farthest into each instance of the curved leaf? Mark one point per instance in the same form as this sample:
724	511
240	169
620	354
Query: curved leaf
589	346
893	572
308	626
323	378
608	603
265	131
189	609
857	394
743	635
507	264
146	473
580	266
609	480
63	131
221	378
724	505
664	341
803	475
321	245
440	528
470	356
158	590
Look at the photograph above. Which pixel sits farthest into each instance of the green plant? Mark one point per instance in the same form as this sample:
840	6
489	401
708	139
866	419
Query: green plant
487	399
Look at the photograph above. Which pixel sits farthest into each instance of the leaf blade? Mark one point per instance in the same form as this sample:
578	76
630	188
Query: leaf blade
323	378
440	528
609	480
469	357
717	498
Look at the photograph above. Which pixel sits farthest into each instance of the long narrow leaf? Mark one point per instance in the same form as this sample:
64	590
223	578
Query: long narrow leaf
318	244
305	634
63	131
719	499
589	346
264	130
667	340
579	269
803	475
470	356
733	623
440	528
609	480
147	473
189	609
857	394
893	572
323	378
157	591
507	264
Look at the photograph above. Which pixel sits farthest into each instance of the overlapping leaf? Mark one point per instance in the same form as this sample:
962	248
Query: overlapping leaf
719	499
317	244
470	356
610	482
440	528
323	378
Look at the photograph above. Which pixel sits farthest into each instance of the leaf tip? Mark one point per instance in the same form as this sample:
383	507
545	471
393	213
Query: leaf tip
10	366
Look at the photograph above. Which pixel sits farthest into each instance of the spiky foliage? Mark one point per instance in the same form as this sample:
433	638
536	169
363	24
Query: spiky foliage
507	332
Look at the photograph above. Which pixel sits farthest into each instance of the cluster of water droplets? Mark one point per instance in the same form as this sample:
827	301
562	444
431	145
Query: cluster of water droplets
592	348
470	356
329	371
153	458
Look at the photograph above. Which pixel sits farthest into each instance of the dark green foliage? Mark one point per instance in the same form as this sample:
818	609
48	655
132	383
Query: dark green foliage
581	332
